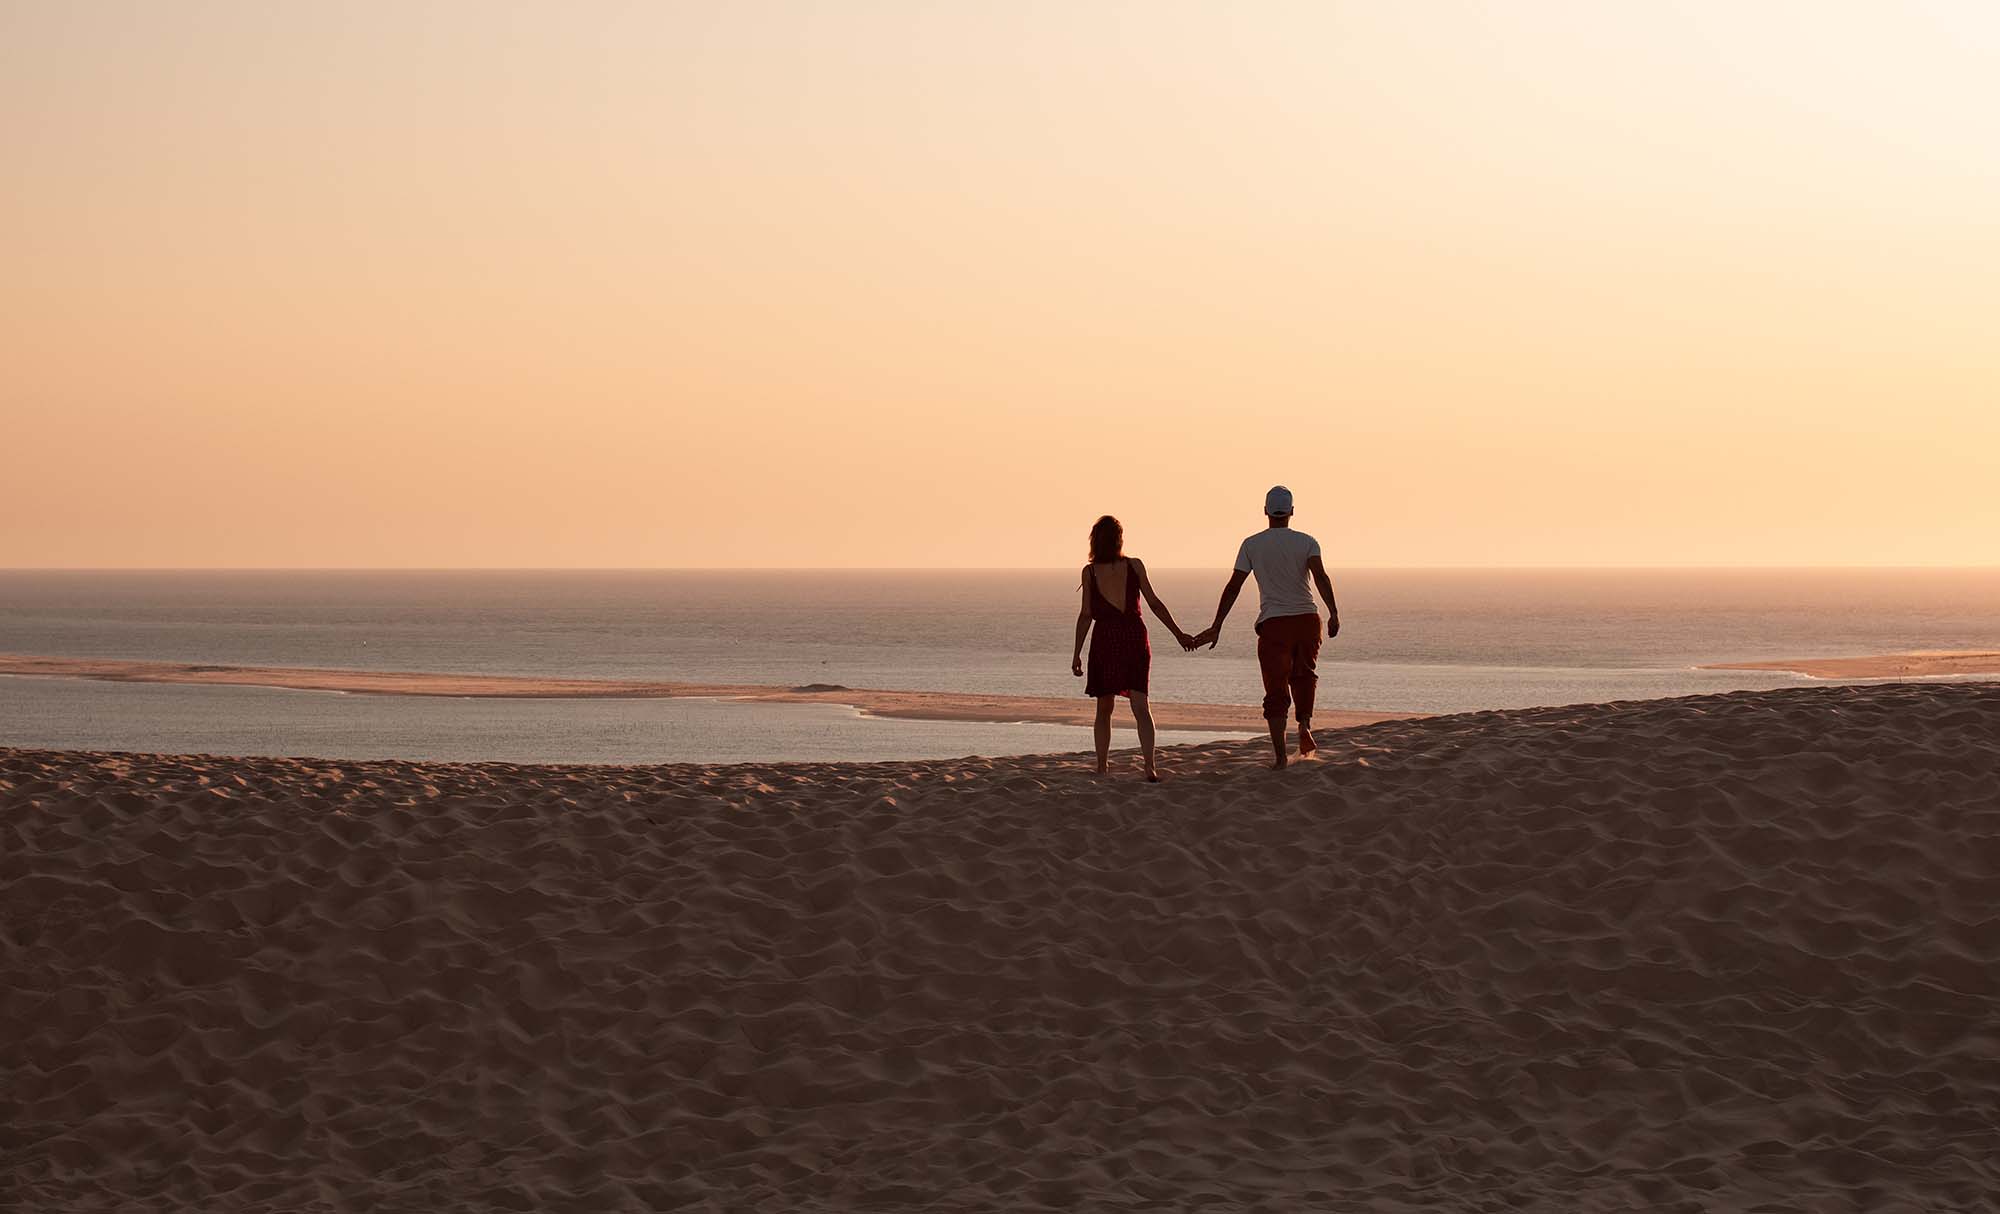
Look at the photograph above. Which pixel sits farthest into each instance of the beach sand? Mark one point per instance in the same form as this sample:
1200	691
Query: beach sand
1923	663
1735	952
908	705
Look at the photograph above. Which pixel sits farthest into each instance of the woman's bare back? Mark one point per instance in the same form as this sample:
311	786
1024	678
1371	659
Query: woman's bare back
1111	579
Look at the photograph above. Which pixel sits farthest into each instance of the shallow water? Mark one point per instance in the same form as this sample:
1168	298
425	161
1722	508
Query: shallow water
81	714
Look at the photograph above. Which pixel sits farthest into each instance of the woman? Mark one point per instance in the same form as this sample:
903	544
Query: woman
1120	656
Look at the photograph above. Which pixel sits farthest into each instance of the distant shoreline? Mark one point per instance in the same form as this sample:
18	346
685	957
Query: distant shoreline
905	705
1923	663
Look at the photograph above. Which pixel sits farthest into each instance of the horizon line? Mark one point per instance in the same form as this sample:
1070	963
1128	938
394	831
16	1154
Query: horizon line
1440	568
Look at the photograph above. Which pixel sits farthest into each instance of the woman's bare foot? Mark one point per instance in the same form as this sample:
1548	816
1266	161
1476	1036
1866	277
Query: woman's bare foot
1103	768
1306	743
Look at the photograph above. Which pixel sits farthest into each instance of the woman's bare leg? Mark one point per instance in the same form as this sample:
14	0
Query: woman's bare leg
1101	730
1142	714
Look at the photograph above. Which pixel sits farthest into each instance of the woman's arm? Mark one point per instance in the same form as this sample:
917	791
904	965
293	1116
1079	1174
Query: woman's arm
1159	608
1082	627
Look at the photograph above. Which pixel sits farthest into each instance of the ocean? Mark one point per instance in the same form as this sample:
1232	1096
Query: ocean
1412	640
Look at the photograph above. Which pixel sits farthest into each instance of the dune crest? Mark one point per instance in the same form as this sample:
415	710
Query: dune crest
1729	952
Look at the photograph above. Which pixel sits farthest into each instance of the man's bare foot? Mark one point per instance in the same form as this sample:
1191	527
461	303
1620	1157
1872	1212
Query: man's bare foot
1152	777
1282	759
1103	768
1306	743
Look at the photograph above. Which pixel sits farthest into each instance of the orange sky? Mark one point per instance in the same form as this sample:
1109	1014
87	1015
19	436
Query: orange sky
753	284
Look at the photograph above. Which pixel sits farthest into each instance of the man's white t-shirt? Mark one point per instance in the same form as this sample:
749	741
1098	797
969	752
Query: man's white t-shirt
1278	556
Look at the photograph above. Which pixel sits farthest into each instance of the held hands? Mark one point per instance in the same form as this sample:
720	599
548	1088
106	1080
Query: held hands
1207	636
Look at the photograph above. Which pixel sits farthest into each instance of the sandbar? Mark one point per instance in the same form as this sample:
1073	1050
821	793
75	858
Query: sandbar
909	705
1921	663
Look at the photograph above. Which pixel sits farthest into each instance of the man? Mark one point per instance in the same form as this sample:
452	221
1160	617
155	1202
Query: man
1287	621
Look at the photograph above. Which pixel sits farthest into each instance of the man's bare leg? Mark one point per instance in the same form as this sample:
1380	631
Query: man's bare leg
1101	732
1278	740
1306	743
1142	714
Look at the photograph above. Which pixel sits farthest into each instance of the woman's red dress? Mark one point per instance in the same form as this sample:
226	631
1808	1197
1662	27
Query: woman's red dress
1121	657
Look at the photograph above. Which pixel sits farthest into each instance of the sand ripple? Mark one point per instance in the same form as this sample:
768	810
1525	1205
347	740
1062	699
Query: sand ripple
1735	952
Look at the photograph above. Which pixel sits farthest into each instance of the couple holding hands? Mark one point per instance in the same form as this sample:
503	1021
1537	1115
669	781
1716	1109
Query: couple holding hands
1288	624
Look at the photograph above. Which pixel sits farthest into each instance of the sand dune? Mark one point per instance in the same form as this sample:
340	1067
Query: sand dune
1923	663
1737	952
909	705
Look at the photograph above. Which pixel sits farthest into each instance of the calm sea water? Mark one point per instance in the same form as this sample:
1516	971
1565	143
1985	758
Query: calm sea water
1434	641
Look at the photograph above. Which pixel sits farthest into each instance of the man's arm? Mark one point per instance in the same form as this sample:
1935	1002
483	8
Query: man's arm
1229	593
1325	584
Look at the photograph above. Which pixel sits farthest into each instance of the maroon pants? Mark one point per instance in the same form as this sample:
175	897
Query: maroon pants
1287	648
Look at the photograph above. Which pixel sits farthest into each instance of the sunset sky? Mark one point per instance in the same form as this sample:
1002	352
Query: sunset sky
893	284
